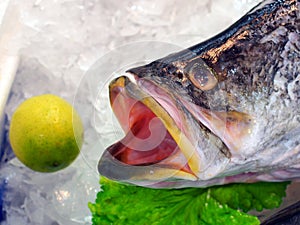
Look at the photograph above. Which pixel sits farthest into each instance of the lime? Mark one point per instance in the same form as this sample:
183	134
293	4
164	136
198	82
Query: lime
46	133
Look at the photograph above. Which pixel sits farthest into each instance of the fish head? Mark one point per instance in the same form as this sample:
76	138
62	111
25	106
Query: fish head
180	126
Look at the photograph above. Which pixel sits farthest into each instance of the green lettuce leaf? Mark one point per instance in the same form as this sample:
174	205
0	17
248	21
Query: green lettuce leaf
122	204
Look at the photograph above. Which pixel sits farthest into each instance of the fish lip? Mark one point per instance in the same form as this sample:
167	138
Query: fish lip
114	169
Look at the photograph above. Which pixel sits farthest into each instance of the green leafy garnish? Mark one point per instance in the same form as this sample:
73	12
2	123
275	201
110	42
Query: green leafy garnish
121	204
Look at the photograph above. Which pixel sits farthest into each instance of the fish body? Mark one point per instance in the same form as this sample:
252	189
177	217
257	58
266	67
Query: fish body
223	111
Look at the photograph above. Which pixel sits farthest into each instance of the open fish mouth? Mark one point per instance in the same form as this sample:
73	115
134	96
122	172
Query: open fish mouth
160	131
154	148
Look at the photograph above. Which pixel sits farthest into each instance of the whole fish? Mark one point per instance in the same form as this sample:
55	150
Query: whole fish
223	111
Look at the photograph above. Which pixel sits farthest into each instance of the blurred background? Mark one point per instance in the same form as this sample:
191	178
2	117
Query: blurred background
73	48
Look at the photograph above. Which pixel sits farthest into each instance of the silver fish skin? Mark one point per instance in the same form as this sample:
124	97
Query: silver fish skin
229	108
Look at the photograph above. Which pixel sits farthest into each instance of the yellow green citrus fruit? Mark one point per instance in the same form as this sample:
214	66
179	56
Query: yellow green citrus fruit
46	133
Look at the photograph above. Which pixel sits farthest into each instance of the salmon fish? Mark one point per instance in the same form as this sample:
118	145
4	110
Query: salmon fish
226	110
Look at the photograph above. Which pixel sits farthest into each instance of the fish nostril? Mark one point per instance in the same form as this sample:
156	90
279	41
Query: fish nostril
179	75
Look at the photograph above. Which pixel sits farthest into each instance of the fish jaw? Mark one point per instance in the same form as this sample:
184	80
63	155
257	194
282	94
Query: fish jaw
163	141
148	152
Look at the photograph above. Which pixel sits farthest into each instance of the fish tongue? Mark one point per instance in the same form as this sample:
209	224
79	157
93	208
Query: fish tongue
147	142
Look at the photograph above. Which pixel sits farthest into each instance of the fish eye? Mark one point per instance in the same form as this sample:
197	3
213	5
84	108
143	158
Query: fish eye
201	75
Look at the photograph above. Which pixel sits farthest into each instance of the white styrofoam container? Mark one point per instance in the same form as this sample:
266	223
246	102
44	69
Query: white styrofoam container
9	59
